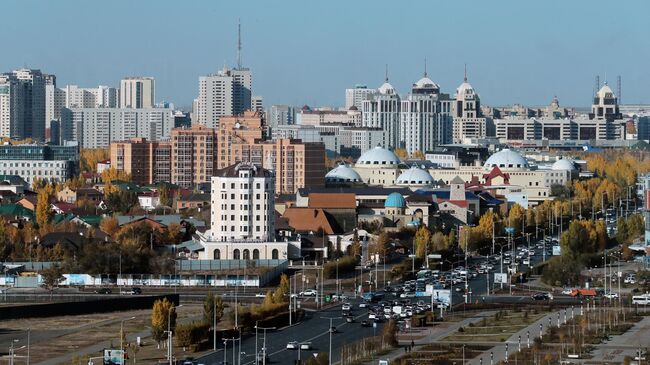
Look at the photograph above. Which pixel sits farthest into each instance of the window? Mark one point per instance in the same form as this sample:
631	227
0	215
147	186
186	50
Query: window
217	254
274	254
247	254
235	254
256	254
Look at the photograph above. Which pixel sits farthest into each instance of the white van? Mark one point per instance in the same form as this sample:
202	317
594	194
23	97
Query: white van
641	299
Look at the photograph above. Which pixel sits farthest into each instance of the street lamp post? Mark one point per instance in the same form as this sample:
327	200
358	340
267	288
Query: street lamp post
122	336
263	342
214	323
170	350
330	331
412	263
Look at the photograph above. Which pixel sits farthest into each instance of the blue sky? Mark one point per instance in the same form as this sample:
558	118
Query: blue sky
308	52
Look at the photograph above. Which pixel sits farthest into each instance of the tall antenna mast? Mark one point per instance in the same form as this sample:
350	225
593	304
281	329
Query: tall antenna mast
386	78
425	67
597	84
465	78
239	44
618	88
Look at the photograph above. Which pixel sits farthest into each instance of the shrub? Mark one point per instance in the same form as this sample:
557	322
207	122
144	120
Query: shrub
346	264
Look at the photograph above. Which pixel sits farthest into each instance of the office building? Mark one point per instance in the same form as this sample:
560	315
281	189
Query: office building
382	111
97	97
257	104
281	115
37	161
137	93
22	104
54	103
98	127
228	92
425	117
468	119
356	96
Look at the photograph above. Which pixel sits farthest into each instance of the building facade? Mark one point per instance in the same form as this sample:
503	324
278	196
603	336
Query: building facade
356	96
137	93
228	92
22	104
148	162
425	117
98	127
36	161
382	111
468	118
193	155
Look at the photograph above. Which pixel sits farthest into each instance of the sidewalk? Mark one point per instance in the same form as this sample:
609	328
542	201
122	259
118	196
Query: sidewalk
512	344
435	334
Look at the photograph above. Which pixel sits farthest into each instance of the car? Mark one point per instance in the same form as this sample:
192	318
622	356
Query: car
103	291
346	306
365	323
542	296
305	346
333	329
611	295
260	295
293	345
132	291
308	293
349	319
567	291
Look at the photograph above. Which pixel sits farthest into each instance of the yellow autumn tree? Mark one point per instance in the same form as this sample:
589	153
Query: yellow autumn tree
44	211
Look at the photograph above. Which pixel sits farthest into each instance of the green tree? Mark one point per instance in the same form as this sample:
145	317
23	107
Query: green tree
211	302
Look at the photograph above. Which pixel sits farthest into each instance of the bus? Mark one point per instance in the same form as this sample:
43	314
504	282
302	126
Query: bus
641	299
373	297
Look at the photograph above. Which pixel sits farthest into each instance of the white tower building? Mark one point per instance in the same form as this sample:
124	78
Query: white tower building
242	204
356	96
137	92
425	117
468	119
383	111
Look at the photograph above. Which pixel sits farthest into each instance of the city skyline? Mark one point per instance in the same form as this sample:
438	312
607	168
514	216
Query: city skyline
290	51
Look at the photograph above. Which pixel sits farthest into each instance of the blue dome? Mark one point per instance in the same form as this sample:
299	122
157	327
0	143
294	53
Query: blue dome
395	200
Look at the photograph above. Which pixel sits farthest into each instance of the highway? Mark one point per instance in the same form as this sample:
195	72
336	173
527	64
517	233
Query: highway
313	329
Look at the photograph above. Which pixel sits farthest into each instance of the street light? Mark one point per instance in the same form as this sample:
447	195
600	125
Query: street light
330	331
263	342
412	257
170	350
122	336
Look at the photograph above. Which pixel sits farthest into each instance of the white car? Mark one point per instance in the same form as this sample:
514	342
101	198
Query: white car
308	293
305	346
260	295
346	306
363	305
611	295
293	345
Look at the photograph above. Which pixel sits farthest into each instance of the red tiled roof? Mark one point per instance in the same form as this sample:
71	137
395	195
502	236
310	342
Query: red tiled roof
308	219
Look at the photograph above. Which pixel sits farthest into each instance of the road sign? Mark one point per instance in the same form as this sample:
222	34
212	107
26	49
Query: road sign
383	362
113	357
510	230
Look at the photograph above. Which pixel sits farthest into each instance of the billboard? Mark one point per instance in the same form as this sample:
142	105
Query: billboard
113	357
441	295
557	250
500	278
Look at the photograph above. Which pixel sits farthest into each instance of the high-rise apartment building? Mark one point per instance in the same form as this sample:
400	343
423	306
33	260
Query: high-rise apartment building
147	162
192	155
356	96
22	103
228	92
246	128
97	97
296	164
425	117
137	92
257	104
382	111
98	127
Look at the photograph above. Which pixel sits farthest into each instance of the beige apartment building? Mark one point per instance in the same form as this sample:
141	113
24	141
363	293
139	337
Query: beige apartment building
146	161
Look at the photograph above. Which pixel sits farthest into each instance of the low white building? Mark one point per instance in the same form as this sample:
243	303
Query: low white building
52	170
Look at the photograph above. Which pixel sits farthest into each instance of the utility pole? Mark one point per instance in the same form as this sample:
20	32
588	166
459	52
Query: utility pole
263	343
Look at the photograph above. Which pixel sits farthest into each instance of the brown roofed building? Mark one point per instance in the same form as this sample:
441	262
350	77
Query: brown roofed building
307	220
332	201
